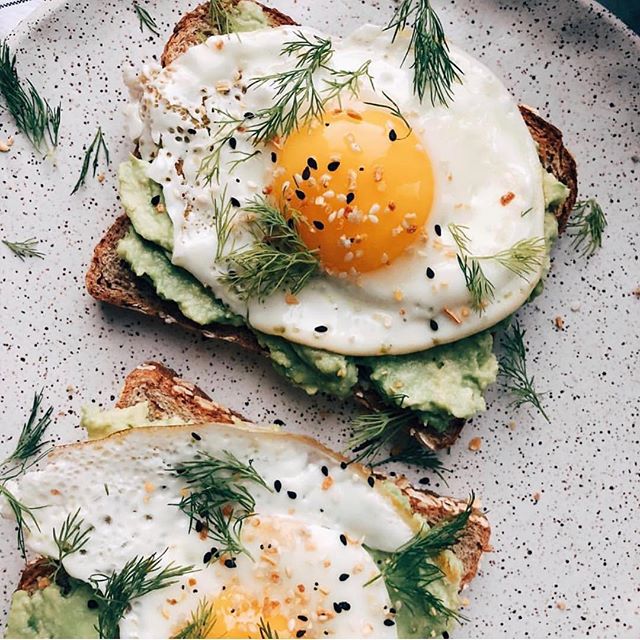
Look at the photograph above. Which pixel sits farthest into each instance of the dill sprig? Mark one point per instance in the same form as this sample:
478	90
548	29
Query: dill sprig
340	81
243	157
201	623
145	19
210	165
433	69
223	215
513	369
297	100
409	571
30	440
586	226
418	456
26	249
97	145
393	108
266	632
522	259
218	16
217	501
278	259
33	115
22	513
72	538
139	576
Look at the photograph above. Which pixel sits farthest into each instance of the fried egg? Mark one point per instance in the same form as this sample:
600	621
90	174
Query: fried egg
378	180
306	571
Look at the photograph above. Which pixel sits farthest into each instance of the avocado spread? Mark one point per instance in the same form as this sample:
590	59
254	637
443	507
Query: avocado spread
49	613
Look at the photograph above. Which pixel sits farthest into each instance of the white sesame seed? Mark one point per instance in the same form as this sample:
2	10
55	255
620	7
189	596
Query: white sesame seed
328	194
348	257
373	219
374	209
320	201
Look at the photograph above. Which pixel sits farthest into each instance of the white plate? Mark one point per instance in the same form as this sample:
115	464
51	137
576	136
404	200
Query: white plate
579	543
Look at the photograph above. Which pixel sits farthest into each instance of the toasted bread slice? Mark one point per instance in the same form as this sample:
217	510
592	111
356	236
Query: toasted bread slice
168	396
110	280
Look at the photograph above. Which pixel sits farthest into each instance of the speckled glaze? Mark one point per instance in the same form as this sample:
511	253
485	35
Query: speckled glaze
562	497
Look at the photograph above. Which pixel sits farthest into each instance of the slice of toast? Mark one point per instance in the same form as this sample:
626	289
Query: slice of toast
168	396
110	280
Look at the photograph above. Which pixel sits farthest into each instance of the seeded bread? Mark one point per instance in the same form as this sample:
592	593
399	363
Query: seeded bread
110	280
169	396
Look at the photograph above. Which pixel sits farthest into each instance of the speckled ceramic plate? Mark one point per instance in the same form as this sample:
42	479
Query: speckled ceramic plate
566	562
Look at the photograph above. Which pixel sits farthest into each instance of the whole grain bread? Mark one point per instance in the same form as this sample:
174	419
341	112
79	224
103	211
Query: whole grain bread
169	396
110	280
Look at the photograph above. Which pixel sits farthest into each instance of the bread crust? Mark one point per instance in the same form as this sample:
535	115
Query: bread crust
110	280
169	395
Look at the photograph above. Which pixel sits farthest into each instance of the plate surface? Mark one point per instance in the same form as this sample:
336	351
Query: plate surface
578	543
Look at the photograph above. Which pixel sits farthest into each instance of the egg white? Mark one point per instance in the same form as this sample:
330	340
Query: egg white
479	147
124	490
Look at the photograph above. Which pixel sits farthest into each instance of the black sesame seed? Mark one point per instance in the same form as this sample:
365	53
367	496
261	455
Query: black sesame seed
303	618
277	485
206	558
300	194
311	162
230	563
392	610
393	136
178	138
343	576
325	471
424	481
292	494
155	201
92	604
196	436
233	143
249	115
361	168
234	202
318	225
332	166
279	422
388	623
321	329
274	157
337	607
445	634
300	633
430	273
191	132
371	480
350	197
433	324
343	465
343	539
199	526
438	229
306	173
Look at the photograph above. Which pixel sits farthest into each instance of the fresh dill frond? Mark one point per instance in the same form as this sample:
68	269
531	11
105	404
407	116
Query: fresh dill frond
266	632
97	145
223	215
22	513
297	100
278	259
33	115
340	81
227	126
586	226
201	623
145	19
72	538
30	441
139	576
459	234
26	249
373	431
416	455
479	286
243	156
219	16
217	501
526	212
409	571
393	108
433	69
523	258
513	369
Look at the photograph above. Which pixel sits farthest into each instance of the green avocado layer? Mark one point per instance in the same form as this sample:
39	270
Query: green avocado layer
437	384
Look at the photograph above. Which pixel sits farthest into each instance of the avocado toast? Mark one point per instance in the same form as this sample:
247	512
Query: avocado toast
48	603
130	269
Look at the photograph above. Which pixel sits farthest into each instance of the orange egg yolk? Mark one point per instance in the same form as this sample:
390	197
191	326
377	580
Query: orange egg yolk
363	184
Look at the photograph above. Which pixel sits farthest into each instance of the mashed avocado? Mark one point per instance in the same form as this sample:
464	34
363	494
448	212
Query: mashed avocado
441	382
247	16
100	424
48	613
555	192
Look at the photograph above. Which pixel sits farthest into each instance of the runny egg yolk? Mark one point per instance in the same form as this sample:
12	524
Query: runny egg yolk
237	614
363	184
